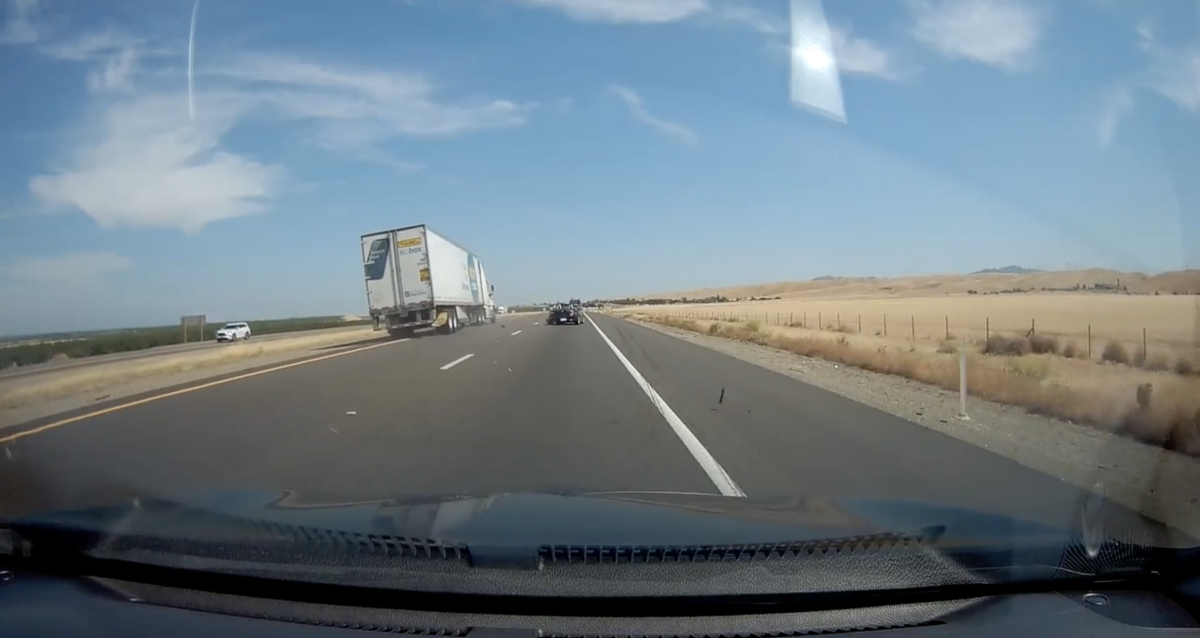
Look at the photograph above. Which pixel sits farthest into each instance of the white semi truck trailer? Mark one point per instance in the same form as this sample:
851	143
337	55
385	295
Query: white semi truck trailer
417	278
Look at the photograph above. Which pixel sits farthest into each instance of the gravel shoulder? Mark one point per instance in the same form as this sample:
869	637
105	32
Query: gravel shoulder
1162	485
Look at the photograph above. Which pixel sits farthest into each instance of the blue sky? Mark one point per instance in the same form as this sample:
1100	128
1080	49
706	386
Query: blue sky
582	148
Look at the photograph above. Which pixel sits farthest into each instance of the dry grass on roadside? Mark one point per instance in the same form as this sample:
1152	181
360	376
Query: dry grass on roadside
1009	373
49	386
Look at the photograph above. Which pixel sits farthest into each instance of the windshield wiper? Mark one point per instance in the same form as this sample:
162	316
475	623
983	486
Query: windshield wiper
169	535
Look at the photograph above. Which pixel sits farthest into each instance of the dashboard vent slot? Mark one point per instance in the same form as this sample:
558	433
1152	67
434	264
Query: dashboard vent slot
641	554
771	634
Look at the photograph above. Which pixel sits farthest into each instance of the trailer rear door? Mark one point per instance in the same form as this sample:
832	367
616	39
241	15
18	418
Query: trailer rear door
379	271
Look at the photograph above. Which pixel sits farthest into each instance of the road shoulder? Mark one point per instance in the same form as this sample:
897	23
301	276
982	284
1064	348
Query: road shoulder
1157	483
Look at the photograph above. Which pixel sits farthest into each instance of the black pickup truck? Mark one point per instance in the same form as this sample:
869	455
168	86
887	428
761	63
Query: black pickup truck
564	314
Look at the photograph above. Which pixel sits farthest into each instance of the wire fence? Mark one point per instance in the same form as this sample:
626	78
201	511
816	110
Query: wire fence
1091	340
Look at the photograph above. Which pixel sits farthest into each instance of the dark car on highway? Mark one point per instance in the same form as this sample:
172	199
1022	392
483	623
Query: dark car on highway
565	314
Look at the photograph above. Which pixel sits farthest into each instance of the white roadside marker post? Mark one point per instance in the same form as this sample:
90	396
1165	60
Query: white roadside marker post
962	380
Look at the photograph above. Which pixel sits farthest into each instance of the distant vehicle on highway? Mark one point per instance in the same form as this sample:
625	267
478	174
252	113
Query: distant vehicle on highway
564	313
416	279
236	331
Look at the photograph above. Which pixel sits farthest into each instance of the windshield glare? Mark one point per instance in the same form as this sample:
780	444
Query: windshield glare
924	271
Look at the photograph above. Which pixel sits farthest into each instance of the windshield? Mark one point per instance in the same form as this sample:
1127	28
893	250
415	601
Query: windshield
924	268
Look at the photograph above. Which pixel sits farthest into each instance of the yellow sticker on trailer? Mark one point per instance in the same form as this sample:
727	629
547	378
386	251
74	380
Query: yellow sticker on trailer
407	243
424	274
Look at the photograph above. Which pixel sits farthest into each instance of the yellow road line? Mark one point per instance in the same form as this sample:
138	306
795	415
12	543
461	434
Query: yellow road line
124	406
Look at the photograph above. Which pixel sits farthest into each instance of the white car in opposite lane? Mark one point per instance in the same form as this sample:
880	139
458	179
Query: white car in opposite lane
239	331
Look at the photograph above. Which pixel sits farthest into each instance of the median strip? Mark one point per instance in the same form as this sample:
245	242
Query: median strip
62	384
166	395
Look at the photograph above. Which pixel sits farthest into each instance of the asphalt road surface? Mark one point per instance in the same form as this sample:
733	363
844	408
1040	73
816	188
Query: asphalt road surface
511	407
55	366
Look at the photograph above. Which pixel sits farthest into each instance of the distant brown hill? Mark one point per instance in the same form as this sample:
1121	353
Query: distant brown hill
1174	282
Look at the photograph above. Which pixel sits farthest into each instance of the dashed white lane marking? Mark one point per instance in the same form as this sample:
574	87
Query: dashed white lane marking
457	361
708	463
516	333
535	323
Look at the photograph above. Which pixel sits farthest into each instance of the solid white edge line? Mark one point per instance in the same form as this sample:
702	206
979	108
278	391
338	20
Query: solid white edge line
16	436
515	333
457	361
708	463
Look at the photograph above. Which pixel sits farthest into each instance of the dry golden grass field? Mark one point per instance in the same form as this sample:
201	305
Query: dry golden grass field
1182	282
1077	356
1169	322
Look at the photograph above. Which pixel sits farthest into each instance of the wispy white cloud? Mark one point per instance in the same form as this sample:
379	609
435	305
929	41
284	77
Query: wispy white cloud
752	16
92	45
1174	70
70	268
137	161
114	53
861	56
854	55
18	27
622	11
637	108
143	164
353	111
1145	33
1175	74
1116	104
383	103
1001	33
117	72
745	13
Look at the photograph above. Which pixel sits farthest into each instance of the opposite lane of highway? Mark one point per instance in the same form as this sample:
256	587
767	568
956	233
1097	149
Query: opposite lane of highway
525	407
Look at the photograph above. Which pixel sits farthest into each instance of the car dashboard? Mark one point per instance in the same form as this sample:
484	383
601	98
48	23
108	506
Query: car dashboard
56	605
